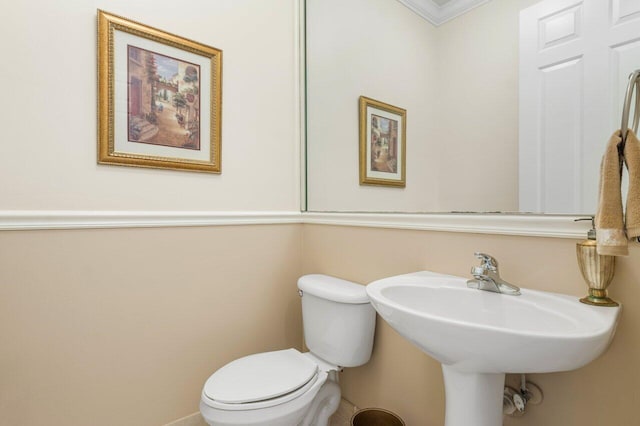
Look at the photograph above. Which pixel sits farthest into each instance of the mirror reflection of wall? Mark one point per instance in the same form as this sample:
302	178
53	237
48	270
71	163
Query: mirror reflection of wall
459	83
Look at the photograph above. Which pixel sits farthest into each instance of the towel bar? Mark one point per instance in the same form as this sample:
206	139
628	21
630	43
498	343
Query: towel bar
634	83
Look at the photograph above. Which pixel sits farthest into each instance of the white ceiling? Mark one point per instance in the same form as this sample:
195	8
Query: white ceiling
440	11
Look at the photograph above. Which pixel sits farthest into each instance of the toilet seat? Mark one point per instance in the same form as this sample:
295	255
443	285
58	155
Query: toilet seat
262	380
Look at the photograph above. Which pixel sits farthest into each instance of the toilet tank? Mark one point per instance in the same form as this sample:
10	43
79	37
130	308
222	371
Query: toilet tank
339	322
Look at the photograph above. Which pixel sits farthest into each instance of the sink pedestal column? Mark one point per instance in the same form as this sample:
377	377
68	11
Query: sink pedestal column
472	398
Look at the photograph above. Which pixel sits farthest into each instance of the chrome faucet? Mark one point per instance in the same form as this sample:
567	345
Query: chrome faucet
488	278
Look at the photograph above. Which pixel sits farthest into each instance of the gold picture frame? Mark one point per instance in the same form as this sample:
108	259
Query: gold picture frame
382	143
159	98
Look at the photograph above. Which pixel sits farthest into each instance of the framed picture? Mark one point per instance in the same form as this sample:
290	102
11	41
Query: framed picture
159	98
382	143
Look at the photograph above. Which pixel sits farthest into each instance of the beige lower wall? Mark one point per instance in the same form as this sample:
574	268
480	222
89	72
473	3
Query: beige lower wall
123	326
401	378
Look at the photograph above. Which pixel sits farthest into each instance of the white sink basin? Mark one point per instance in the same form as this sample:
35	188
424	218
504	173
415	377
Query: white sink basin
478	336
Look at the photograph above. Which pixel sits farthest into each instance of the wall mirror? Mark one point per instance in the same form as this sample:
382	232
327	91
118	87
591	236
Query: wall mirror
508	106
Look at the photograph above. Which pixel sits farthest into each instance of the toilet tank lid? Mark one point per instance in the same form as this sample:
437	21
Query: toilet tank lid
334	289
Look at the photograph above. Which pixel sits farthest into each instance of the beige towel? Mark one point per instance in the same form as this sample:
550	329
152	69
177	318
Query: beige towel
610	235
632	158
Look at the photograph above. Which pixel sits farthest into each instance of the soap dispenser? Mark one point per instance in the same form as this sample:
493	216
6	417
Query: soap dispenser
597	270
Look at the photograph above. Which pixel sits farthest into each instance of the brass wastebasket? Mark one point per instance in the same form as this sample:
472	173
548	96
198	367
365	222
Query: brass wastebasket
375	417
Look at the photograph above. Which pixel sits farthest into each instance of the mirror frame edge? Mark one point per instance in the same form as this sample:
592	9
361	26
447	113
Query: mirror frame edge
300	72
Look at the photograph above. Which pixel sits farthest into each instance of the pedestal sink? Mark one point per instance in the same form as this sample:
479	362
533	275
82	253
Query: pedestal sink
478	336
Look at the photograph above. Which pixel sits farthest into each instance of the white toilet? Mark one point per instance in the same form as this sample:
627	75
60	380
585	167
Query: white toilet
289	388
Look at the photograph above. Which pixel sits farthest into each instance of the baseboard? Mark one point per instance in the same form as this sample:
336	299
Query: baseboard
342	417
194	419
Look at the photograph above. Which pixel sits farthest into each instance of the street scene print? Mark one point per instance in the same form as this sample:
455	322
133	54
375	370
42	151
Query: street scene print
163	100
384	144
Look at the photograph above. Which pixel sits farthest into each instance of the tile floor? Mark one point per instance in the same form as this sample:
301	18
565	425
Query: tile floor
342	417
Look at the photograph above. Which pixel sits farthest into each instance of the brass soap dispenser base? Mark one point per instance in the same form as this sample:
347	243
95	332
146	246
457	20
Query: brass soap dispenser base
597	300
597	270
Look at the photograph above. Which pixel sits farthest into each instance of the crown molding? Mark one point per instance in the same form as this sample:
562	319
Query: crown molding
438	15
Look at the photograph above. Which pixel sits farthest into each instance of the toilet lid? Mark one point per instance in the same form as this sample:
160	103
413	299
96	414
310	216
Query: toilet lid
260	376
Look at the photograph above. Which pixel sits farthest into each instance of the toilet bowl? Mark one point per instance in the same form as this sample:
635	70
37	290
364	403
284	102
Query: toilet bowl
290	388
272	388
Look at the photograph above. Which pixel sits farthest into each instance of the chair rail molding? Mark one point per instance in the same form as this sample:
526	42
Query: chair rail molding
529	225
479	223
57	219
437	14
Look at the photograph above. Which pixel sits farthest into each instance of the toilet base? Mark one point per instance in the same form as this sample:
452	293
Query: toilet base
324	404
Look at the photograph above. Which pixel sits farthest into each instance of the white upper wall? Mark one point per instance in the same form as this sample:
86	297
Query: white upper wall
48	114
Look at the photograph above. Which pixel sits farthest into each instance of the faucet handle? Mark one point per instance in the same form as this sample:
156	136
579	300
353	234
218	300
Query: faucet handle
478	271
488	261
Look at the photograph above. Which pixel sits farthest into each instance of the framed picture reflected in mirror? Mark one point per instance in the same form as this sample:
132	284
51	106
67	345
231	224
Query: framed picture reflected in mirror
382	143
